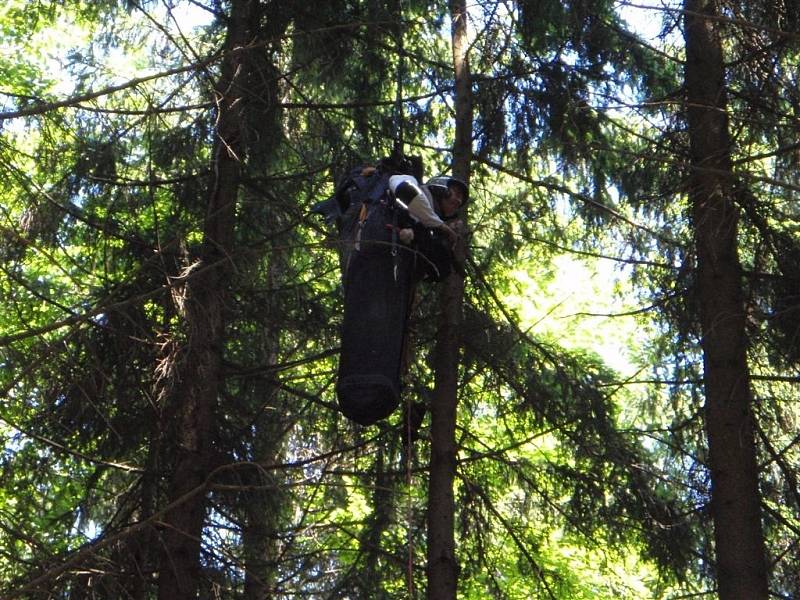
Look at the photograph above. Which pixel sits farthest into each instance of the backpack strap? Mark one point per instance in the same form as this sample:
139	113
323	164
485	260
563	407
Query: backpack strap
362	216
395	257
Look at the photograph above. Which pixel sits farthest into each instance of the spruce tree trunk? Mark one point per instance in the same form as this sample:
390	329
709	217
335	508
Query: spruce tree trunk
442	562
204	313
262	510
735	502
262	504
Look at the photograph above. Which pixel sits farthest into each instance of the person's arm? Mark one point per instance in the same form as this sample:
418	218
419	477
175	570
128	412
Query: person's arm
407	190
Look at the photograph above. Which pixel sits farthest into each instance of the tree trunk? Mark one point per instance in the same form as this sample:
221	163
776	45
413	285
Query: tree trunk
204	312
442	562
262	505
262	511
735	503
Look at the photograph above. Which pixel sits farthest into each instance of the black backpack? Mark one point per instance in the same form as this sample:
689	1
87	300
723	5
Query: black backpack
370	216
378	275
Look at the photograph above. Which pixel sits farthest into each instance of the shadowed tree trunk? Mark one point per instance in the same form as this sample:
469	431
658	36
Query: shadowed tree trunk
735	504
205	295
442	562
262	503
262	511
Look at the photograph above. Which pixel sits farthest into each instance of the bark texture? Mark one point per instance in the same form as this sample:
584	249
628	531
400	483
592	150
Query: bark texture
203	303
735	503
442	561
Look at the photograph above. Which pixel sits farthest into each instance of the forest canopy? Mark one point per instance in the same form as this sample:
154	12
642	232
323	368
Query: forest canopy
598	401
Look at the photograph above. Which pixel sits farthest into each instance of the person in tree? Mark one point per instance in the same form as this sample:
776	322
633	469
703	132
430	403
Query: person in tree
449	194
433	205
378	210
430	205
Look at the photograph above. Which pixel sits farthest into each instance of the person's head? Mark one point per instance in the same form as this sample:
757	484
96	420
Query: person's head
449	193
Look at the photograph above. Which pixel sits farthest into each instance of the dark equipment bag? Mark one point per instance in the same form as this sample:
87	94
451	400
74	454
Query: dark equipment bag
373	335
378	276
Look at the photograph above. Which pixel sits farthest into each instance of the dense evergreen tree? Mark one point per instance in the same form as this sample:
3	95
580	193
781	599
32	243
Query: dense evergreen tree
171	317
735	502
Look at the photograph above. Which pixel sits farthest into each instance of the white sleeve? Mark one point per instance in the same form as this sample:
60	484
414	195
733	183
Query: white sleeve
419	207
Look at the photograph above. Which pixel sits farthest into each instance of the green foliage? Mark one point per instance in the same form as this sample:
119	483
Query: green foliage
574	481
